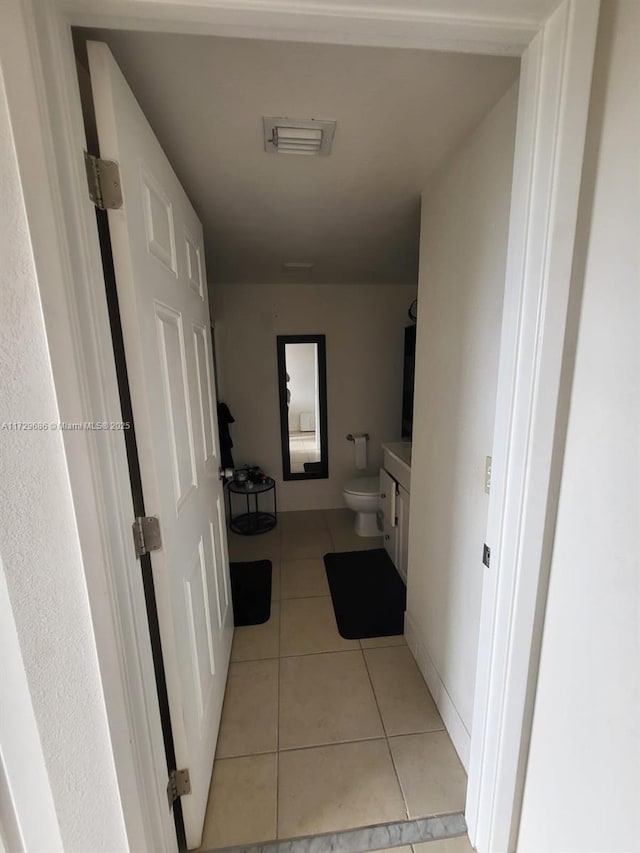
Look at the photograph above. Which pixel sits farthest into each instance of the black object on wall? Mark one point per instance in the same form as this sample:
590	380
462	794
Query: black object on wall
408	380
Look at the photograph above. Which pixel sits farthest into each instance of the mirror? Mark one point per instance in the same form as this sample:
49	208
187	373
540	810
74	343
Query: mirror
302	384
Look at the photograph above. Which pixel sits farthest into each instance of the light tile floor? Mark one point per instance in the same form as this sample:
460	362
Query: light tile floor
318	733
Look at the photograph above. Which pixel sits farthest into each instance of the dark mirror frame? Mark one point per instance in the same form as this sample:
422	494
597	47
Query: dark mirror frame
320	340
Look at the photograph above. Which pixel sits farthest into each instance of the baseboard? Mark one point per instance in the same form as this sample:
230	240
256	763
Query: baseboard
458	732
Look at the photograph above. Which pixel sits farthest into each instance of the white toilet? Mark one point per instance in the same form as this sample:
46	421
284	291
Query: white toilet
362	495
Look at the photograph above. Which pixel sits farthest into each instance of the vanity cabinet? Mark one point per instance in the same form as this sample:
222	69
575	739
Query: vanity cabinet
402	531
388	495
394	503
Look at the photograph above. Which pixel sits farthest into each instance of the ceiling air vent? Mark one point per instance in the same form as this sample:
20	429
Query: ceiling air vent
297	136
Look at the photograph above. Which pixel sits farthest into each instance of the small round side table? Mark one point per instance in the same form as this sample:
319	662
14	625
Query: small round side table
254	520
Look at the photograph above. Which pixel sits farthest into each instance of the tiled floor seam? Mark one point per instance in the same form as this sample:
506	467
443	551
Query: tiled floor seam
315	654
331	743
373	690
301	597
254	660
362	839
386	735
278	746
397	775
278	715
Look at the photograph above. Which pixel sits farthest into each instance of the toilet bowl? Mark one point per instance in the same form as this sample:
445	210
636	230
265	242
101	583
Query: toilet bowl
362	495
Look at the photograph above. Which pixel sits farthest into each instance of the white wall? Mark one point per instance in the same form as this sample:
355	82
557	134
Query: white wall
582	791
465	214
364	325
40	555
301	366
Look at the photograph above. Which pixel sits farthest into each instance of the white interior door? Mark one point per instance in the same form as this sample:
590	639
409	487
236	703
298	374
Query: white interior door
162	291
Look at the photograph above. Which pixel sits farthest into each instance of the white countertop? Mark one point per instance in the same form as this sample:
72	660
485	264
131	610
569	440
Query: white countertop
397	462
400	449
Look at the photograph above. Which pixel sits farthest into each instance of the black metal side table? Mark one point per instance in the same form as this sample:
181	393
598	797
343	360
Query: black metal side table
254	520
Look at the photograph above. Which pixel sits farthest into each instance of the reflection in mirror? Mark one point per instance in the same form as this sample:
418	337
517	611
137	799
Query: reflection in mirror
301	364
303	406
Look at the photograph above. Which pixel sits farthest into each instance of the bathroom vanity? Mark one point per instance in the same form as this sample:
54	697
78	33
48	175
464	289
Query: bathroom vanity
395	489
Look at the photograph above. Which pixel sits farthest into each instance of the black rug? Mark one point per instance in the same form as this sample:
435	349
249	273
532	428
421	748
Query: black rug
251	592
369	596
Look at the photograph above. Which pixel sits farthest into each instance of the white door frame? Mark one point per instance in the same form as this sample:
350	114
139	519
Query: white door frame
553	104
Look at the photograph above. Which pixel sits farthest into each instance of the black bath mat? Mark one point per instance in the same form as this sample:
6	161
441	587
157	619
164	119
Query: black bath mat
369	596
251	592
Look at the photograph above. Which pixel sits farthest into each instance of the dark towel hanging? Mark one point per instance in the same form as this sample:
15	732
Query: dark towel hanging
224	419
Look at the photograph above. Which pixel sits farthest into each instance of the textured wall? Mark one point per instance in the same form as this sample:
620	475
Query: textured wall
39	541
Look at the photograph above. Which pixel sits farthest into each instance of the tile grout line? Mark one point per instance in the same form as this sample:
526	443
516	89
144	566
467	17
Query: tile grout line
386	736
326	652
397	775
373	690
331	743
278	714
305	654
278	756
305	747
305	597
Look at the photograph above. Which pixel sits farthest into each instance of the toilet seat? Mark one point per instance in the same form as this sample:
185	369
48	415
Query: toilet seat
363	486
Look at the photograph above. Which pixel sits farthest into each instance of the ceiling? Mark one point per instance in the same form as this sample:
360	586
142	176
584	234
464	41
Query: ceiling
355	214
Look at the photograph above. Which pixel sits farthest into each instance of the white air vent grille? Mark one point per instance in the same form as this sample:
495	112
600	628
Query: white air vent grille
298	136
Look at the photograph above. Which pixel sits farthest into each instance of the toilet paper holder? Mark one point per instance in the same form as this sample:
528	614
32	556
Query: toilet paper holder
351	437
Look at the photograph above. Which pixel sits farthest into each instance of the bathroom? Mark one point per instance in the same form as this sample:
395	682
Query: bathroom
358	296
364	327
75	587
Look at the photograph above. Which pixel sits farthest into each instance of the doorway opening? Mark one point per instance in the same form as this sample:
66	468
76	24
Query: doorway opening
557	49
298	543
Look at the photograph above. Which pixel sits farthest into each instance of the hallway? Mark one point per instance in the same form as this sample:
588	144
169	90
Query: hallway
318	733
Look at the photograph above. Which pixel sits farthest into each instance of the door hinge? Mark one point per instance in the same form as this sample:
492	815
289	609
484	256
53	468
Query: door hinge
146	534
486	555
178	785
103	180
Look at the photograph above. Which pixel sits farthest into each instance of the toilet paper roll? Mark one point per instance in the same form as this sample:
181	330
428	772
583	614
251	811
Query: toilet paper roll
360	442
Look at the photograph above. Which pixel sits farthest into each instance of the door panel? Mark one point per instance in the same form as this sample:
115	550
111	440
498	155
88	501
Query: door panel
173	367
208	414
194	265
160	275
388	506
